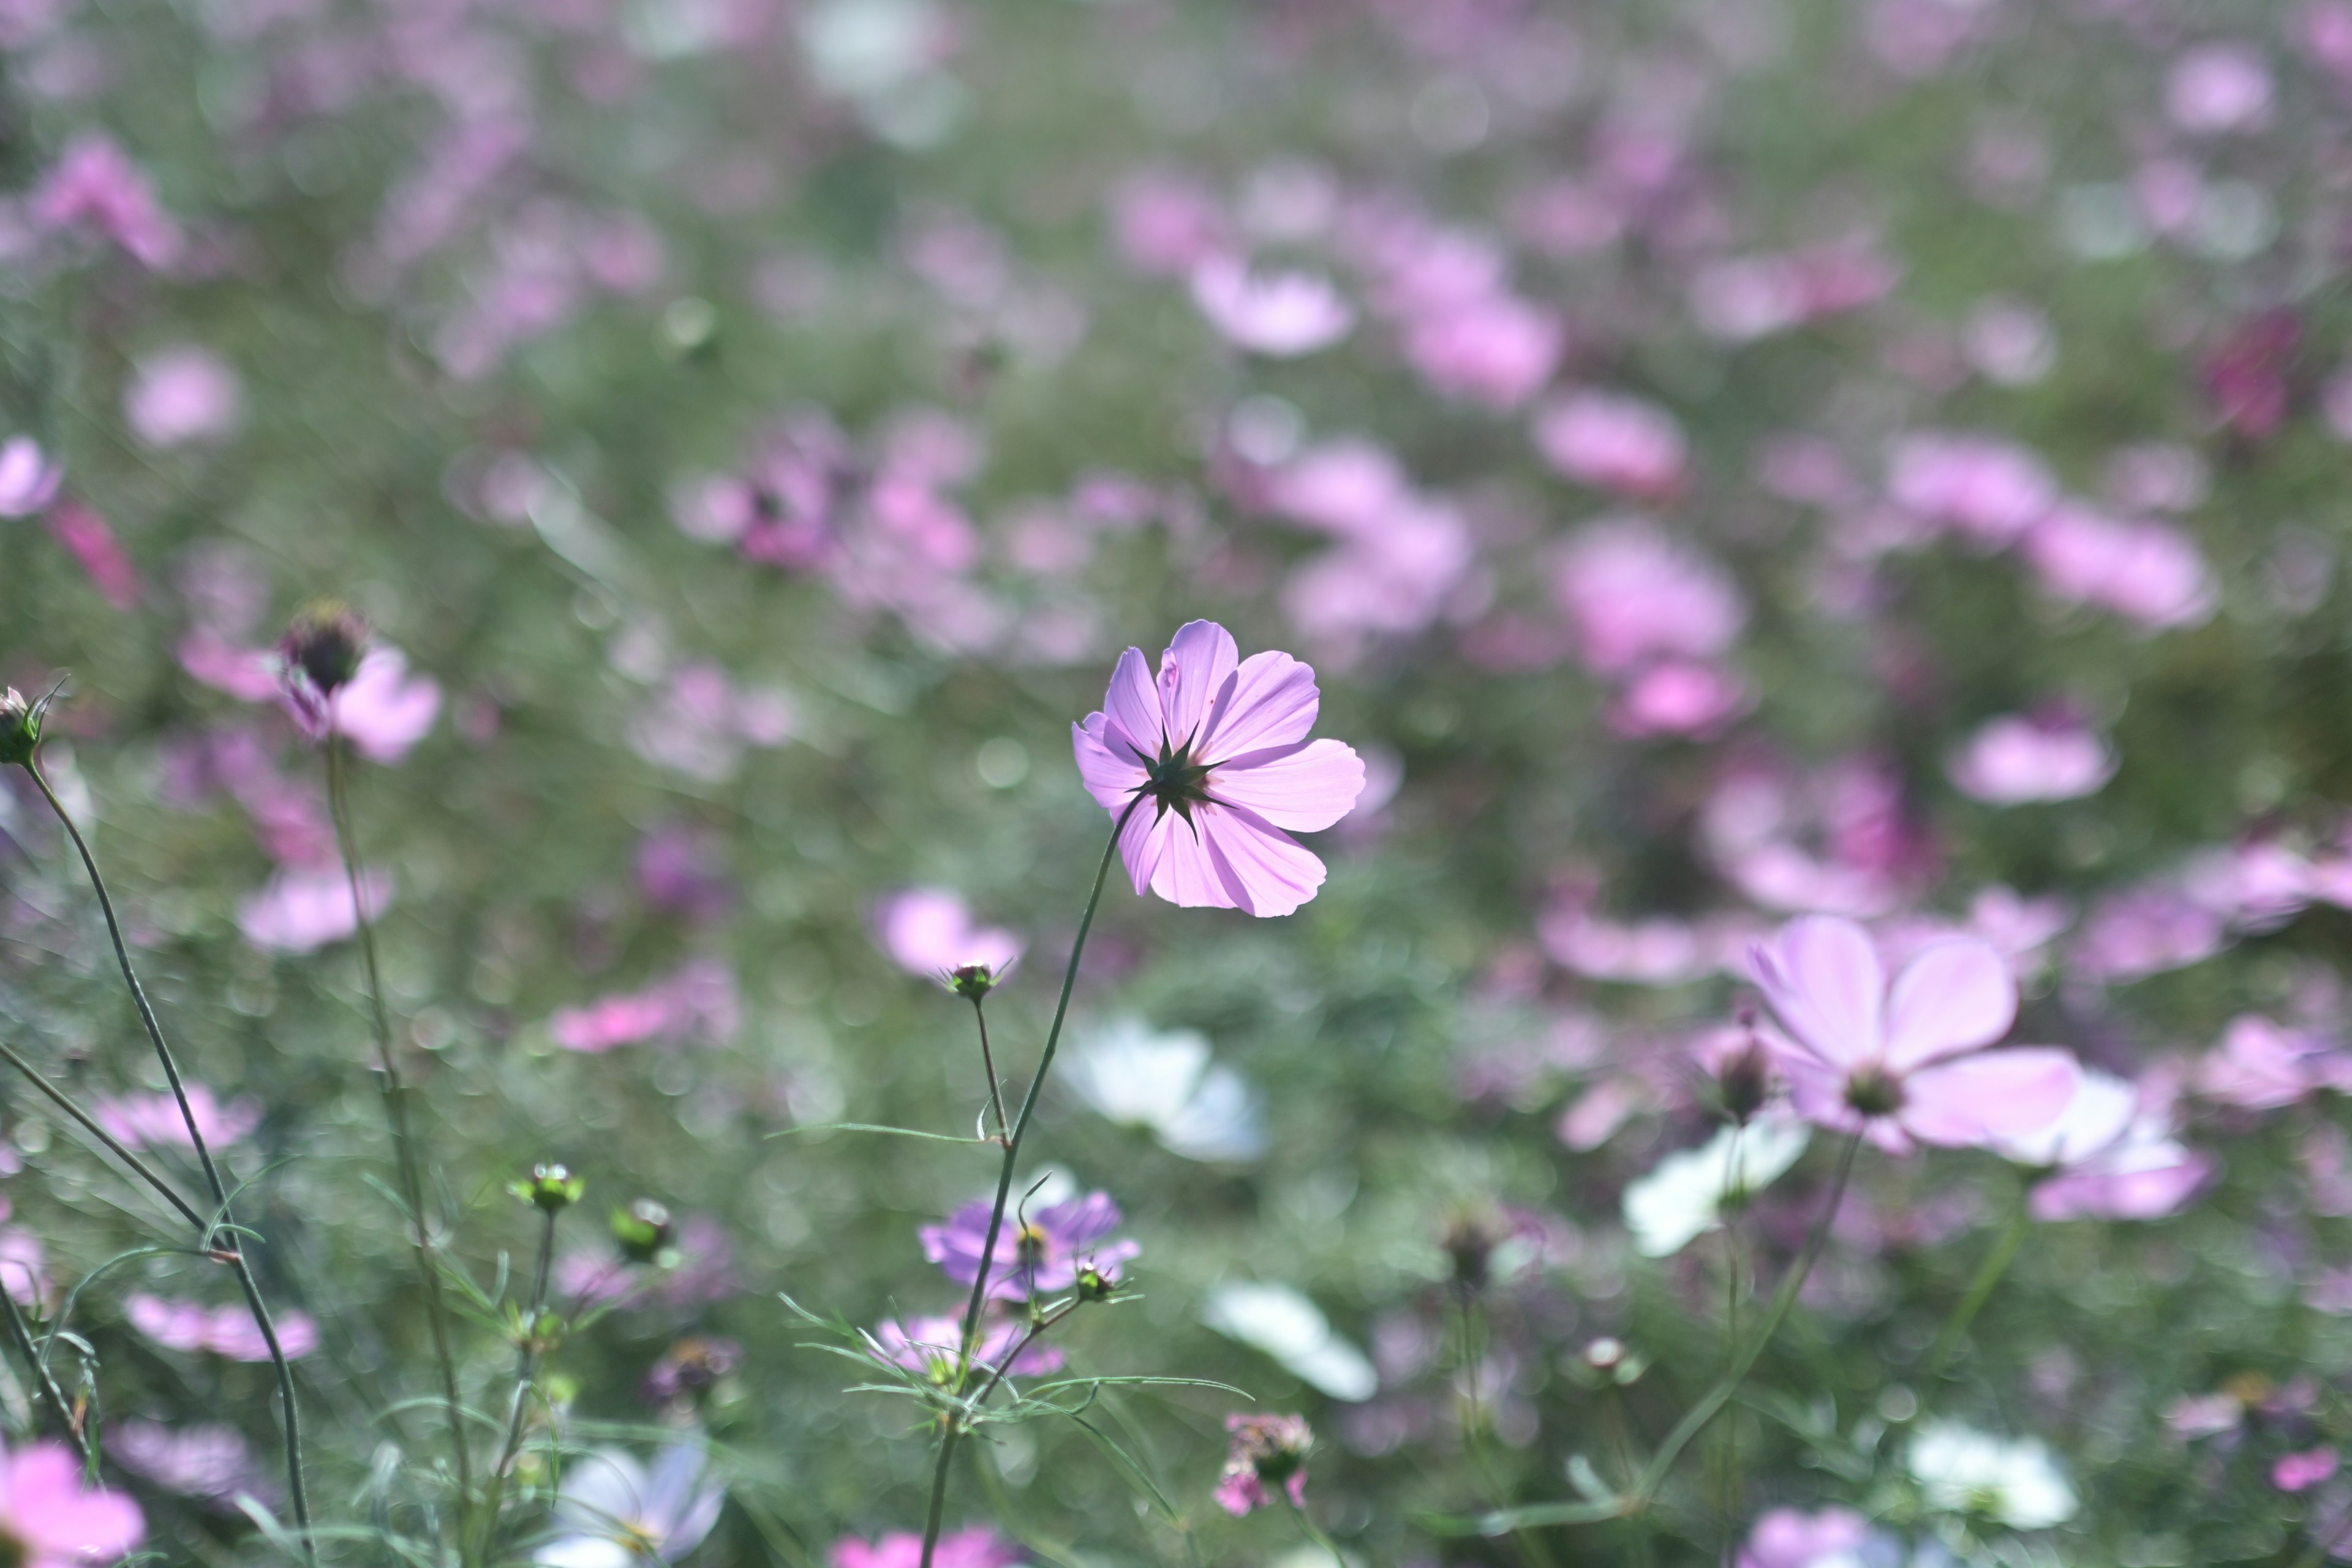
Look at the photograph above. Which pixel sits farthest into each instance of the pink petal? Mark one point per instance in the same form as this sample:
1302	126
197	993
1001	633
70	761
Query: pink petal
1133	702
1186	875
1305	789
1822	976
96	1527
1273	703
1197	663
1989	1097
1263	869
1143	844
1953	997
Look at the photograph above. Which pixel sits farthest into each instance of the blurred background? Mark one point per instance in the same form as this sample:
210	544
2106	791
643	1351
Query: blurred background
1724	458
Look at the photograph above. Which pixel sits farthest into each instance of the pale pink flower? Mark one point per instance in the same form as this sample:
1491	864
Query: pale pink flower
182	395
1282	315
1498	351
1789	1538
2262	1066
2300	1472
2323	29
228	1331
1679	697
209	1462
2021	757
929	932
2107	1155
28	480
697	1001
2218	88
23	1266
154	1121
1635	594
2145	931
2151	572
1214	757
98	193
1904	1059
53	1521
1614	443
247	673
302	911
383	710
1659	951
1168	224
1346	487
1989	491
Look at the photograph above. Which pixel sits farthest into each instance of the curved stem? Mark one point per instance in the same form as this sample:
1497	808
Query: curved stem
207	1236
412	1183
1004	1182
995	1095
1694	1421
88	1124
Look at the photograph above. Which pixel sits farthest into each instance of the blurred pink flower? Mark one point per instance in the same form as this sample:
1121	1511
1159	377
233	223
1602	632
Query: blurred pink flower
183	393
1216	752
28	480
303	910
1614	443
929	931
2151	572
2300	1472
2019	758
697	1001
1904	1059
2145	931
53	1519
1988	490
208	1462
2248	376
247	673
2324	31
1679	697
1167	223
154	1120
1346	487
2216	88
1636	594
2107	1155
382	711
1658	950
1392	580
977	1546
1282	315
94	548
1498	351
98	193
228	1331
1788	1538
2262	1066
24	1265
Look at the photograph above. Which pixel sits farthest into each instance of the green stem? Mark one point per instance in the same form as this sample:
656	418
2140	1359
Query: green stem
1694	1421
1736	1183
526	1355
1306	1526
412	1183
233	1253
995	1095
1989	1276
138	1167
46	1382
1004	1184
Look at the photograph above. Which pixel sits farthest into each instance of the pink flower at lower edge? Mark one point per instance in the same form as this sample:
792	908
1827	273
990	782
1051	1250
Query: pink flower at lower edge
1266	1452
52	1520
976	1546
303	910
1789	1538
1904	1062
1216	750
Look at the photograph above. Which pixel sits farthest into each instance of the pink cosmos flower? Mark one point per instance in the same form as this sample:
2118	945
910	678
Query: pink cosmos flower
382	711
2151	572
96	192
1282	315
2218	88
696	1001
28	480
210	1462
2262	1066
1989	491
1904	1062
182	395
1498	351
1636	594
1789	1538
53	1521
2300	1472
1680	697
2145	931
154	1120
929	932
1614	443
2020	758
976	1546
2108	1156
1215	759
1167	223
228	1330
303	910
94	548
1264	1452
931	1346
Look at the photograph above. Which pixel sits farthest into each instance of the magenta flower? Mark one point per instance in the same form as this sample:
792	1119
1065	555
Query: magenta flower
2300	1472
1264	1454
1904	1062
96	192
154	1120
976	1546
1042	1253
1789	1538
1636	595
382	709
929	1346
51	1520
2151	572
1988	489
2020	758
228	1331
699	1001
1614	443
1218	750
84	533
28	480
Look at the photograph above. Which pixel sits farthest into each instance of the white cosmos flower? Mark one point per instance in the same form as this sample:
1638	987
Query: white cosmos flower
1293	1329
1683	1198
612	1513
1161	1080
2014	1481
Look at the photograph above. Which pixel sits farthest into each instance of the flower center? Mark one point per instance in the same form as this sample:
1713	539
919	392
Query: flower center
1031	1244
1175	781
1874	1092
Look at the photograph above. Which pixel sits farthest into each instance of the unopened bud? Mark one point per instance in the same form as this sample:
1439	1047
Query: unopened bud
1469	1242
973	981
20	725
325	644
1096	1285
643	1230
1743	1078
550	1187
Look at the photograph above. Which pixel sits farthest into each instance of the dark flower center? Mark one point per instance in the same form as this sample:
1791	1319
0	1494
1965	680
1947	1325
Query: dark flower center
1874	1092
1031	1244
1175	780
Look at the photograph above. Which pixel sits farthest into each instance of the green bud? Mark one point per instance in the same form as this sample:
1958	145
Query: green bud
643	1230
1094	1285
550	1187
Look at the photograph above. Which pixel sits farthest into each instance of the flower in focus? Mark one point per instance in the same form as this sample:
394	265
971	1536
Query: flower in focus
1162	1081
975	1546
154	1120
1291	1329
1264	1452
28	480
930	1345
1217	748
613	1513
1904	1060
1832	1538
48	1518
1684	1195
1038	1253
929	932
1962	1470
2021	758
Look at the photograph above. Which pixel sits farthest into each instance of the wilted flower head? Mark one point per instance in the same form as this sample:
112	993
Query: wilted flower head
1264	1452
48	1518
613	1513
1035	1252
1217	750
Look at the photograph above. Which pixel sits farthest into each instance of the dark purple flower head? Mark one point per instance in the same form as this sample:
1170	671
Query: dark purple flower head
1035	1252
323	647
1266	1452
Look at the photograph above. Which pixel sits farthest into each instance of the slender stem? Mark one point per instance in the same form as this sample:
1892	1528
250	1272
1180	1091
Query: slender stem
1004	1183
1308	1526
1989	1276
207	1236
46	1381
995	1095
1018	1350
526	1353
1696	1420
1471	1366
138	1167
1736	1183
412	1183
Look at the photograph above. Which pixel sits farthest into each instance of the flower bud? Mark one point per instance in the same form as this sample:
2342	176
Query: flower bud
1469	1241
325	644
643	1230
973	981
550	1187
1097	1284
1743	1078
20	727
